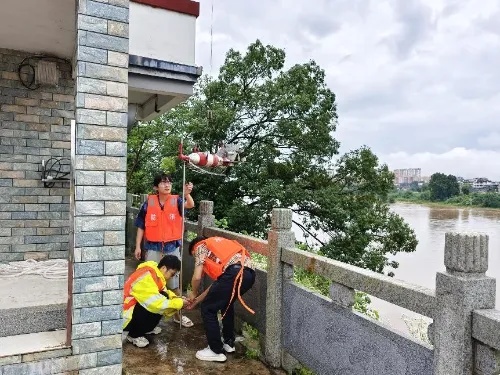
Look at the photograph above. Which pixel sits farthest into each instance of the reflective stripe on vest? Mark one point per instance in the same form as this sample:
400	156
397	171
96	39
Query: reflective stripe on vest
163	225
136	277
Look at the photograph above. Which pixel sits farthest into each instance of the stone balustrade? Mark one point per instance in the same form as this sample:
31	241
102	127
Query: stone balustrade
327	336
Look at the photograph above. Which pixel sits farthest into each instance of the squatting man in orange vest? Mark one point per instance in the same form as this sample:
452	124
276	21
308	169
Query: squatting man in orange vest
146	299
229	264
160	221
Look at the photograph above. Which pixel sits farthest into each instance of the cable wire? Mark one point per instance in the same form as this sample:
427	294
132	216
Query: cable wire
49	269
30	84
211	37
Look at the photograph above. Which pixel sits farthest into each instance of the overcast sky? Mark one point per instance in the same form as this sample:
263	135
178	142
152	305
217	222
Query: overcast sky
418	81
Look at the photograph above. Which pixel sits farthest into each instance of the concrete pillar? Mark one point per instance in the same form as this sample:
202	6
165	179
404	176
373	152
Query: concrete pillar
205	217
487	360
342	295
101	101
460	290
279	236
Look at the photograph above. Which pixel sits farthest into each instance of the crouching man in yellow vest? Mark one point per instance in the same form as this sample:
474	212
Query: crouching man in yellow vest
229	264
146	299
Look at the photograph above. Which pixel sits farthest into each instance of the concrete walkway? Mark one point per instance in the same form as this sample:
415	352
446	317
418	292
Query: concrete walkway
173	352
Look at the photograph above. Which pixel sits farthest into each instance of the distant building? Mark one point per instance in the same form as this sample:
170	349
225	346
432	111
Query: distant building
407	176
482	184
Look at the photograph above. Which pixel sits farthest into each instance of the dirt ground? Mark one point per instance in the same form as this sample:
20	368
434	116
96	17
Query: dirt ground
173	352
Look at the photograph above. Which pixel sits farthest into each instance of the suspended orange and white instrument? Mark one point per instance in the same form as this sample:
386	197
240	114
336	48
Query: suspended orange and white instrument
225	157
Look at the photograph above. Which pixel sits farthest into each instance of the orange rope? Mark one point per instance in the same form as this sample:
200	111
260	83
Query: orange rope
238	281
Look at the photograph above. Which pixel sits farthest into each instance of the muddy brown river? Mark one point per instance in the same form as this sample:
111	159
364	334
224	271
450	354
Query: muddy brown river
430	224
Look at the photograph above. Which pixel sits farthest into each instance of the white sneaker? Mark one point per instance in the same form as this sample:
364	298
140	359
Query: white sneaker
155	331
208	355
228	349
140	342
186	322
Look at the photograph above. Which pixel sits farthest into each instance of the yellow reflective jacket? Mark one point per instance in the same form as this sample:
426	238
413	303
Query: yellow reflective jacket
144	287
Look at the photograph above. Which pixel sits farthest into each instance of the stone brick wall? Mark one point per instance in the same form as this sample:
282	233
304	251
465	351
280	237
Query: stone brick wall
98	217
34	126
100	181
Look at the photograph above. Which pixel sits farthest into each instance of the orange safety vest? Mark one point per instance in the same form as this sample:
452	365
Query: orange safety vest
221	250
163	225
128	300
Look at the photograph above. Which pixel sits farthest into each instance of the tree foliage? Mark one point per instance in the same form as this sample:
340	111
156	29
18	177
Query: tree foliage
152	148
443	187
284	120
466	189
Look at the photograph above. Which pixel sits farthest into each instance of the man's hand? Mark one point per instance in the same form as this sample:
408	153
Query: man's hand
191	295
192	305
186	303
137	253
188	188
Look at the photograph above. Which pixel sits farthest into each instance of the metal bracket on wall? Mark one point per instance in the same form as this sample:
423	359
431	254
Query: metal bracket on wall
53	170
59	169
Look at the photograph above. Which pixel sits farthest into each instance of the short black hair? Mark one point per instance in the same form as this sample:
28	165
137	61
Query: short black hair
171	262
161	177
194	242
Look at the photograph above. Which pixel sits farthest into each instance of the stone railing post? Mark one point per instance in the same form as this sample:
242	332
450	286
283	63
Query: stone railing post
205	217
279	236
342	295
460	290
487	360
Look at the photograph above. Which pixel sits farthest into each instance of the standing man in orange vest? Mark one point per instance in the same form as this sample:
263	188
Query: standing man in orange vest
229	264
160	221
146	299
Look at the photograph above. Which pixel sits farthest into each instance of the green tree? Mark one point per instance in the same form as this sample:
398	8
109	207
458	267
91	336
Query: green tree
152	148
466	189
352	209
414	186
425	195
284	121
443	187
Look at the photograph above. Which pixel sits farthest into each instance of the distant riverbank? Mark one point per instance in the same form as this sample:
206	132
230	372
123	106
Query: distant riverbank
437	204
473	200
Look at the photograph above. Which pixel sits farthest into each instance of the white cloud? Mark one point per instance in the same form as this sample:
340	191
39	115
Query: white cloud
418	77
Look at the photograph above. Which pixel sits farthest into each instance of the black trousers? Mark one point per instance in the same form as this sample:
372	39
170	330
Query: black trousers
142	321
217	299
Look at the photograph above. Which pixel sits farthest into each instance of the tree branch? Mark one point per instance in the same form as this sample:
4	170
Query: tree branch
308	232
263	120
136	160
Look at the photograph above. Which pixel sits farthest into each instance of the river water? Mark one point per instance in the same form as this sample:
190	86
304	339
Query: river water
430	224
